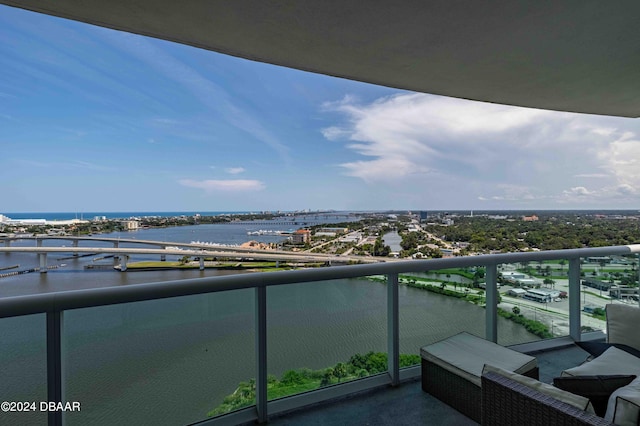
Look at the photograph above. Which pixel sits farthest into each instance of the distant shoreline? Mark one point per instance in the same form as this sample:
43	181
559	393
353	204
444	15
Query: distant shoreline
89	215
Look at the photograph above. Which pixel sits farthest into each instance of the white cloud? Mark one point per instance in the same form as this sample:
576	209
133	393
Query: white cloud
237	185
420	132
393	169
621	159
334	133
626	190
579	191
592	175
486	151
234	170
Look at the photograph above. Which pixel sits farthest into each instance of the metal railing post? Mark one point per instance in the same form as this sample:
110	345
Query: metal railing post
54	365
491	308
261	353
638	288
393	329
575	328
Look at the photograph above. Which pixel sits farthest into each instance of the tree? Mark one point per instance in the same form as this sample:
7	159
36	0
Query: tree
379	249
327	377
292	377
477	276
562	262
340	371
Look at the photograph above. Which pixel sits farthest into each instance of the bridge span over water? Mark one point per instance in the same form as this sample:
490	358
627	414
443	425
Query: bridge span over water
117	241
123	254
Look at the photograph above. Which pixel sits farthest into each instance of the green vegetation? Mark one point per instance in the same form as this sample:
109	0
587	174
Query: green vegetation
477	299
304	379
553	230
187	264
600	314
534	327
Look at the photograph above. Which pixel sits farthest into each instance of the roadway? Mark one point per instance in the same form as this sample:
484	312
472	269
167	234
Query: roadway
118	241
270	255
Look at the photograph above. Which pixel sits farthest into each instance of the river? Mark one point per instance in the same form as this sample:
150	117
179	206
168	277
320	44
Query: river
170	361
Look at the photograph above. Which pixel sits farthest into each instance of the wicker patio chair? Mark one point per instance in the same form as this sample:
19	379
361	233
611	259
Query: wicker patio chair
506	402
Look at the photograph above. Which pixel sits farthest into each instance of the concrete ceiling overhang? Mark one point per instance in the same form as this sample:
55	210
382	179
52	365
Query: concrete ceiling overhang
579	56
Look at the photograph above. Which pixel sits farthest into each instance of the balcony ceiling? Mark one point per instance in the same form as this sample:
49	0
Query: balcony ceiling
580	56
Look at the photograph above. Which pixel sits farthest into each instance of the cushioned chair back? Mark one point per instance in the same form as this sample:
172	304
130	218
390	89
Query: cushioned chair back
623	322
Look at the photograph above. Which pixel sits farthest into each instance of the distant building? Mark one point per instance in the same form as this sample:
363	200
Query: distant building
517	292
301	236
130	225
598	259
623	291
331	232
520	279
511	275
446	252
541	296
597	284
351	238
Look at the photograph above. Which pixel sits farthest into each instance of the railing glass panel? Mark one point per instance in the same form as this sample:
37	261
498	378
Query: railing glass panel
23	371
436	305
606	279
536	296
315	328
167	361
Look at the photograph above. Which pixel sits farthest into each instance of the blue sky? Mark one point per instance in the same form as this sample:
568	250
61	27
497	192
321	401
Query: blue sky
93	119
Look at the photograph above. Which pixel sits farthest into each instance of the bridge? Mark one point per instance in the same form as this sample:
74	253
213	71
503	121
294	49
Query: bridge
115	241
195	250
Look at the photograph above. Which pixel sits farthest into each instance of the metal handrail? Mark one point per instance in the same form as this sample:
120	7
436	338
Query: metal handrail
58	301
54	305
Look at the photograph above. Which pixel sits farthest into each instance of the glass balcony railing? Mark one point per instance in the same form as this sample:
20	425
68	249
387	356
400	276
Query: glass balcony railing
167	361
23	375
238	348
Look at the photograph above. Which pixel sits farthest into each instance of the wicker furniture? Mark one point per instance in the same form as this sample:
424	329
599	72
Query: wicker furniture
506	402
451	369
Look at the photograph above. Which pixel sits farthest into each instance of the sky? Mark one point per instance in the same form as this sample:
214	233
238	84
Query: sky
94	120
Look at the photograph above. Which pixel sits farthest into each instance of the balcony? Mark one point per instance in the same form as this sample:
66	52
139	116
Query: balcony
133	354
407	404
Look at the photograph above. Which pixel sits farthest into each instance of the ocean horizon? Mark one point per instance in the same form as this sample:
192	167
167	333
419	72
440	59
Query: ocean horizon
51	216
116	215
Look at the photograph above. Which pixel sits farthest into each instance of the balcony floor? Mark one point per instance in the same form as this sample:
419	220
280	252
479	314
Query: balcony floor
407	404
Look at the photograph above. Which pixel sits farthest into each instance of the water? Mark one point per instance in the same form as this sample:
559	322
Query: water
170	361
393	240
320	217
68	278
